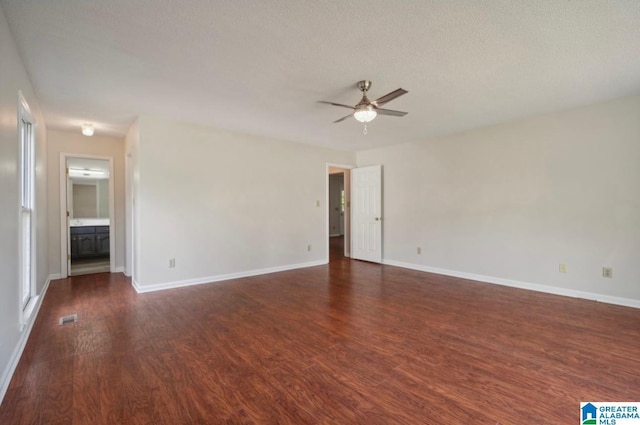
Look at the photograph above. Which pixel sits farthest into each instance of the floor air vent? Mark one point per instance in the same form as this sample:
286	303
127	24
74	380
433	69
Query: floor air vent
72	318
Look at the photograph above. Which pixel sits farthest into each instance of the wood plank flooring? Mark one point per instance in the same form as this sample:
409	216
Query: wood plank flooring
347	343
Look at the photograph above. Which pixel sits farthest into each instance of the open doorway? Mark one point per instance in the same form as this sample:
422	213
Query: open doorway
88	230
338	214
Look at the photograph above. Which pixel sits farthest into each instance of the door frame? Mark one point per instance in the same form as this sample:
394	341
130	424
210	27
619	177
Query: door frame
65	249
347	212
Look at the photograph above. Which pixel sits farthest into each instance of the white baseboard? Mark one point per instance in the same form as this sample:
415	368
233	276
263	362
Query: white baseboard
54	277
627	302
119	270
218	278
136	285
24	337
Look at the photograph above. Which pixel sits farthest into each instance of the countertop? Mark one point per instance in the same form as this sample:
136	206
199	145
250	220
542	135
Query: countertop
83	222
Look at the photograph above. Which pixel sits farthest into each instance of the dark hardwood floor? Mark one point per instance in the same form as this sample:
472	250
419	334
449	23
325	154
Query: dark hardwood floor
336	248
347	343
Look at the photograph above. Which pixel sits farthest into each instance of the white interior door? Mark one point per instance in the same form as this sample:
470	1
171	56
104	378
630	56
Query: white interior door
366	213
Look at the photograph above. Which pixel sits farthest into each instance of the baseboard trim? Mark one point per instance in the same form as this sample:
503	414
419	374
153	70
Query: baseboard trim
54	277
136	286
627	302
119	270
5	380
218	278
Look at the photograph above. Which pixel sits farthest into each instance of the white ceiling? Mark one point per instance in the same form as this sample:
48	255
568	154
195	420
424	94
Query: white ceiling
259	67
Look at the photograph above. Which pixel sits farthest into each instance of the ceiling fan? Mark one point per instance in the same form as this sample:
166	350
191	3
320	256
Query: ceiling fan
366	110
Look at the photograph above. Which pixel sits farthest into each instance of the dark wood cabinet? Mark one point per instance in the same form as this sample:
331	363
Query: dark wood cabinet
102	240
89	241
85	245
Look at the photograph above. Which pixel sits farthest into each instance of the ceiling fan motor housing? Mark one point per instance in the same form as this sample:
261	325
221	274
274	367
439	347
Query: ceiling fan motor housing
364	85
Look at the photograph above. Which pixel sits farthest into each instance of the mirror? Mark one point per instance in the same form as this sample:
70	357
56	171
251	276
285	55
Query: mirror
90	198
89	181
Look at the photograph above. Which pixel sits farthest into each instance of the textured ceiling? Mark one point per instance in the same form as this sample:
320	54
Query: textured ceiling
259	67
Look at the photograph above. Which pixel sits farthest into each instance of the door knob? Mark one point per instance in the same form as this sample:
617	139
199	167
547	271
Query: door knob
378	218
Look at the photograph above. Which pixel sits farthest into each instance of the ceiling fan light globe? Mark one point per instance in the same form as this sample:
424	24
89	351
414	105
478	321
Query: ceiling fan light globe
365	115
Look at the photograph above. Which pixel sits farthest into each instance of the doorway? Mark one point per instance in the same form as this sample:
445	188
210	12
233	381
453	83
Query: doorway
87	197
338	212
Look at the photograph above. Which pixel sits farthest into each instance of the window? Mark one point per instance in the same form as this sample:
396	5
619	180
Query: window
342	201
27	177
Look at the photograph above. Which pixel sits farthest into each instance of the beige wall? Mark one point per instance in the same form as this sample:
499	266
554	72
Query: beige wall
511	202
223	203
75	143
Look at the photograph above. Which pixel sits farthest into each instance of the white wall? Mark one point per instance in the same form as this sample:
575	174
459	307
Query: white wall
13	78
76	143
223	203
514	201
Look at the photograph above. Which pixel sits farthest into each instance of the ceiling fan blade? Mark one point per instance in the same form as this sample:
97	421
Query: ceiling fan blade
343	118
389	97
381	111
336	104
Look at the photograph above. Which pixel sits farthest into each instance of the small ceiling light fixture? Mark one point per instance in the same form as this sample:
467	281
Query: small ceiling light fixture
87	129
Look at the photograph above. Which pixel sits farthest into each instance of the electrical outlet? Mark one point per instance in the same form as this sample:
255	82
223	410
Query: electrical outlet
607	272
563	268
419	251
172	263
309	247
